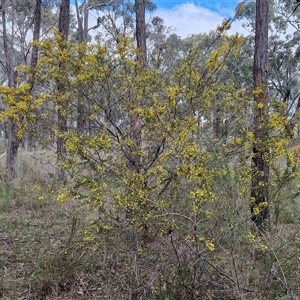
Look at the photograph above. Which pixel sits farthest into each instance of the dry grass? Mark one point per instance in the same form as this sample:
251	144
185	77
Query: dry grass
42	257
43	254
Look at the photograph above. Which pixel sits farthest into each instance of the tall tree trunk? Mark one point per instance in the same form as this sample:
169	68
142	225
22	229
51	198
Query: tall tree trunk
63	27
260	161
135	121
36	33
85	20
141	29
82	20
64	18
12	148
12	140
28	137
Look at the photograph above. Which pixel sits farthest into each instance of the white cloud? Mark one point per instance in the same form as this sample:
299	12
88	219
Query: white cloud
188	18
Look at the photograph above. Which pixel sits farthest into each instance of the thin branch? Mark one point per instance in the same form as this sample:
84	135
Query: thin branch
99	5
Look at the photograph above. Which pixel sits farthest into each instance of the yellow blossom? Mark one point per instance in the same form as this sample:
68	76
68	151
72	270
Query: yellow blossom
210	245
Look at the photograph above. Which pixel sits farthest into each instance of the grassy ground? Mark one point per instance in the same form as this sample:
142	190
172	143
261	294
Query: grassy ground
34	236
44	254
42	257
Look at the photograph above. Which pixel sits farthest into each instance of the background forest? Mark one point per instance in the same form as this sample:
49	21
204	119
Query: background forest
139	165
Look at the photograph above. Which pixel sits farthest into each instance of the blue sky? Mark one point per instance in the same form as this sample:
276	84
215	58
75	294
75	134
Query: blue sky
214	5
187	17
192	17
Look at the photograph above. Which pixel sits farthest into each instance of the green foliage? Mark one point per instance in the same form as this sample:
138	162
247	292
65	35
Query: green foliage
172	155
166	217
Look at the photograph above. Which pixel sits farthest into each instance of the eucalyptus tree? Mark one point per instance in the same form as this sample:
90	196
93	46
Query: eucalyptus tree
11	76
261	156
163	44
287	12
282	108
285	59
283	51
61	84
83	14
20	21
116	21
